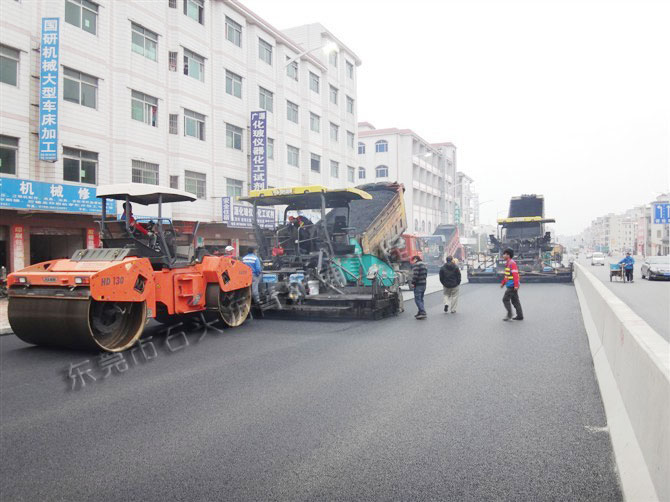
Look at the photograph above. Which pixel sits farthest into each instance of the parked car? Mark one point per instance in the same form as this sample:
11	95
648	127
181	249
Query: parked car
656	267
598	259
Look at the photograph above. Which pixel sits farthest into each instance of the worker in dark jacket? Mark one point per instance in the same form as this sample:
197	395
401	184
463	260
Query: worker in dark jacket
418	283
450	277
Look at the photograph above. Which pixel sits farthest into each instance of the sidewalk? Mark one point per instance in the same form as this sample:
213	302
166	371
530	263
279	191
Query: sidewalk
4	322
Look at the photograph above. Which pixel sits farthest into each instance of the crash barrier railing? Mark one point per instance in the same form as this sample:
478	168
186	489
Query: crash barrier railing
632	364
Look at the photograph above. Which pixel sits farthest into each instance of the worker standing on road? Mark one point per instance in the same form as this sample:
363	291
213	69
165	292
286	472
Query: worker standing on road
254	263
628	263
229	251
450	277
511	283
419	275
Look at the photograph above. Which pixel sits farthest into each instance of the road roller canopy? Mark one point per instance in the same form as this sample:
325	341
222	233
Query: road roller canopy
143	194
305	197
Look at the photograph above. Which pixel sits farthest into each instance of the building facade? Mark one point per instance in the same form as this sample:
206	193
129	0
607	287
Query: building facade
161	93
638	230
427	170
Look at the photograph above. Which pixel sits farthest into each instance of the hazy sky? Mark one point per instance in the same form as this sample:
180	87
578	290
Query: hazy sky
570	99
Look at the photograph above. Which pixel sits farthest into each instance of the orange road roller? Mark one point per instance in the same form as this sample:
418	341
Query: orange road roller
101	299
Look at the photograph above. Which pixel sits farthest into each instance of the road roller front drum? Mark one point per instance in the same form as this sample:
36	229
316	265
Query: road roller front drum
84	324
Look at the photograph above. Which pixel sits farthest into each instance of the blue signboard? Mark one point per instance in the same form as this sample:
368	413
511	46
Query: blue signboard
241	216
259	174
48	127
37	195
662	213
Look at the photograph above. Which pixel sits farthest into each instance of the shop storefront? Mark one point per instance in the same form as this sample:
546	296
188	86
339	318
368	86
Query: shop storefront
44	221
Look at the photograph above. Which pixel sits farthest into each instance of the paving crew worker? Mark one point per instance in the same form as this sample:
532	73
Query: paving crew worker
303	224
511	284
254	263
450	277
628	263
418	283
229	251
132	223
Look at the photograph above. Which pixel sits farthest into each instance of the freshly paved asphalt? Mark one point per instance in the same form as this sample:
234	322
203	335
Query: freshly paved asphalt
648	299
457	407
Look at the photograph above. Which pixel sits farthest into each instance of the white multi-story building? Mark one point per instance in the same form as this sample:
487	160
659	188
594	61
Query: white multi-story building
427	170
467	205
161	93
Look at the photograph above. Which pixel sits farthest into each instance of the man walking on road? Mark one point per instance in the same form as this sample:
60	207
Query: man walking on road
450	277
419	274
254	263
511	284
628	263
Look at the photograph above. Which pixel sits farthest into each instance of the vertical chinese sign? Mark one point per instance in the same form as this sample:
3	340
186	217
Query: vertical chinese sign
259	174
48	128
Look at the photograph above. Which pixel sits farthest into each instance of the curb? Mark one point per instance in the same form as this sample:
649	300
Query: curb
6	331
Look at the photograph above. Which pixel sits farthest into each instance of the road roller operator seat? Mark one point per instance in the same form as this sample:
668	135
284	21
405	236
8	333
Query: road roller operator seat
161	246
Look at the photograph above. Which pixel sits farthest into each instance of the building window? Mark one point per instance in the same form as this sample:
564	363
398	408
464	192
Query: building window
361	173
82	14
315	163
334	169
350	104
381	146
314	122
174	182
233	137
361	148
351	174
291	111
265	99
382	171
194	124
80	88
333	95
270	149
144	108
9	149
172	60
195	183
174	123
416	225
334	132
233	32
350	69
233	187
233	84
332	59
264	51
314	82
292	156
143	41
145	172
194	65
9	65
292	69
79	166
172	4
351	139
195	9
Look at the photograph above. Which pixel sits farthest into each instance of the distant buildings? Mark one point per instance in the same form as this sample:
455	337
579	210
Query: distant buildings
637	230
435	193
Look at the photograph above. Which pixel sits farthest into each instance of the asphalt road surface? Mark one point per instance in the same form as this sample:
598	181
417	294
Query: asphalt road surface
648	299
456	407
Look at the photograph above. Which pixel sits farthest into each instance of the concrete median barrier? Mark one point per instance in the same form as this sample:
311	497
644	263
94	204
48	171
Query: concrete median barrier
632	364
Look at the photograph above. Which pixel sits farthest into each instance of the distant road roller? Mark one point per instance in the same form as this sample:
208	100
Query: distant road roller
101	299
